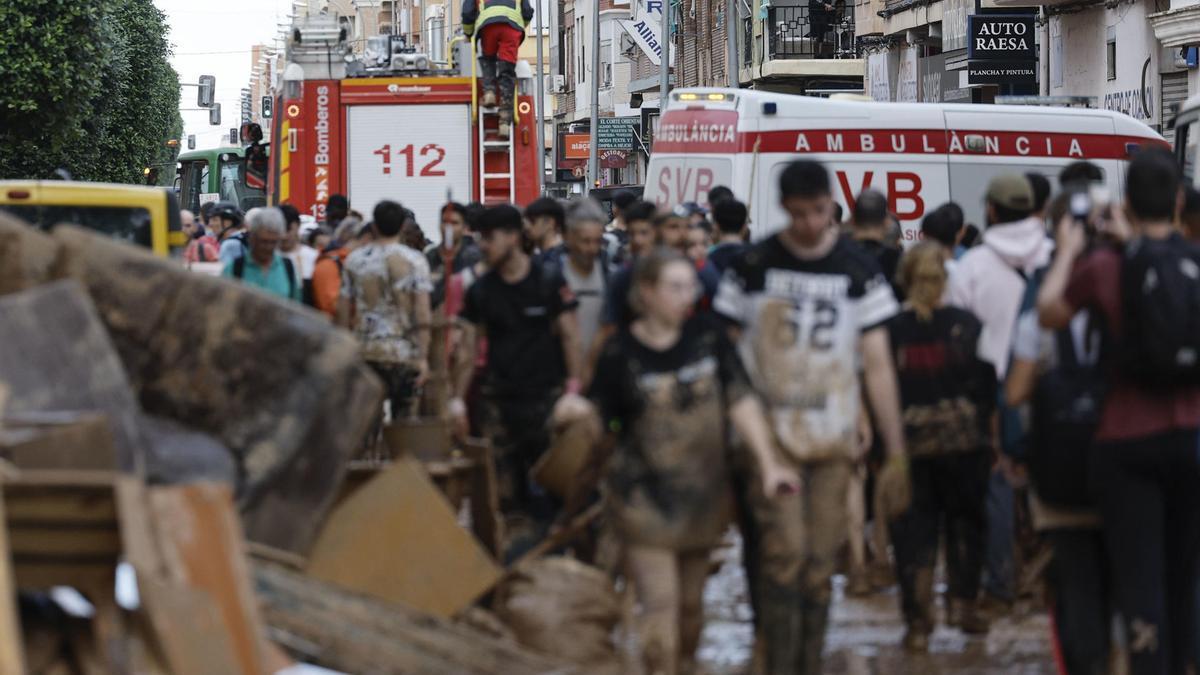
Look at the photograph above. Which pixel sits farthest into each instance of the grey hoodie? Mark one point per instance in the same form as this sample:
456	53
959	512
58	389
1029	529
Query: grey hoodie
989	281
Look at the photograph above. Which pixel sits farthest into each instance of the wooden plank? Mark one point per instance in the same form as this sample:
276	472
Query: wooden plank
12	657
397	539
357	634
189	629
52	506
201	542
65	542
41	573
486	521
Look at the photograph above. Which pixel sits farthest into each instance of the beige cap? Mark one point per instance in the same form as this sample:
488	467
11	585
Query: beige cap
1011	191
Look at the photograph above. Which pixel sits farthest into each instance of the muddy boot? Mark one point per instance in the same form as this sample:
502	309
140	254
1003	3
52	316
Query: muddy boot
504	130
965	616
780	625
816	620
487	79
858	584
506	84
916	640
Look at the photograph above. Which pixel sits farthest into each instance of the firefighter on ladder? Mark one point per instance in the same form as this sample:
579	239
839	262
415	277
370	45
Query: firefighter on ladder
501	27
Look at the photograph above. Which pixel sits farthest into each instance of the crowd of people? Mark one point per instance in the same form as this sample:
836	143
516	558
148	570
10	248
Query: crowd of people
846	404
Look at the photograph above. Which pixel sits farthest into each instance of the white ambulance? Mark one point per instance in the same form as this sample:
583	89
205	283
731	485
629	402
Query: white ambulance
920	154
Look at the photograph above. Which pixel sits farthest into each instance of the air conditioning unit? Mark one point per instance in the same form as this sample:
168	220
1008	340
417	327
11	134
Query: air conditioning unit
556	84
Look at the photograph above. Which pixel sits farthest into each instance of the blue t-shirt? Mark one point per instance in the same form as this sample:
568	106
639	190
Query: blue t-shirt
274	279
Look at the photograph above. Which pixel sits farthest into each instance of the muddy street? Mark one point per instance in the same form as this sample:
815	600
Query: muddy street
864	636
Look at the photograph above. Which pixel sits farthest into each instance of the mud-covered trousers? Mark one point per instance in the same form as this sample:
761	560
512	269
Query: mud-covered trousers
948	492
798	538
517	428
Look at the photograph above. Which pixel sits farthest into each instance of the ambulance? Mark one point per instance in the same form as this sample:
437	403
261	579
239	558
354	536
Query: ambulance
920	155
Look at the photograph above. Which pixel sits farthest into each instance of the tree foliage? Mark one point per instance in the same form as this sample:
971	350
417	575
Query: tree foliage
88	87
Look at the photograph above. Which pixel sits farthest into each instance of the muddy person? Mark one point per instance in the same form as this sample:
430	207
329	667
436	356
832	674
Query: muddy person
384	299
947	397
663	389
810	304
1144	469
527	312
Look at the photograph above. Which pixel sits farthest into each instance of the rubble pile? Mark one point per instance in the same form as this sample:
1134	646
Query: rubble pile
205	437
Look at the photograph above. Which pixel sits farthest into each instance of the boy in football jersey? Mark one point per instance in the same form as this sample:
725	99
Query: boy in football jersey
810	306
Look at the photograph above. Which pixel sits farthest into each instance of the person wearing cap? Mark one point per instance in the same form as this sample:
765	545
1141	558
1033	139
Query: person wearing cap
990	282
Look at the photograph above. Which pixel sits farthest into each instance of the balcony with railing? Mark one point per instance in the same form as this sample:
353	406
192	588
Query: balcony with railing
813	40
812	31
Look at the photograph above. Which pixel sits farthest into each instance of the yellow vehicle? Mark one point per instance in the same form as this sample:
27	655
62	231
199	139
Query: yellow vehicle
147	216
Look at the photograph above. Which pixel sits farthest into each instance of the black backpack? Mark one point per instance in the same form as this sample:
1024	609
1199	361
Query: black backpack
239	271
1160	299
1065	409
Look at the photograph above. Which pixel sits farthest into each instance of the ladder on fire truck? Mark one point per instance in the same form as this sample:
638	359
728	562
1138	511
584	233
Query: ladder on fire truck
497	163
497	176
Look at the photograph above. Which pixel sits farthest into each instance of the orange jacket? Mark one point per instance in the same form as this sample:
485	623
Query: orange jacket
327	280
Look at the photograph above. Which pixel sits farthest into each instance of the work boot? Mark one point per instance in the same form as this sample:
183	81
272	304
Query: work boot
506	83
858	585
487	79
916	640
504	130
781	624
816	620
965	616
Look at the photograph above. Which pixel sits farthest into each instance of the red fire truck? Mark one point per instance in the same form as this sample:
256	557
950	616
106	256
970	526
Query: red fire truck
391	124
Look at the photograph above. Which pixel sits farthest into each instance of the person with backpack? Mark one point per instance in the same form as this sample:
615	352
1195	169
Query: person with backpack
263	267
229	224
201	247
947	396
527	312
1144	466
327	273
990	282
387	285
1057	376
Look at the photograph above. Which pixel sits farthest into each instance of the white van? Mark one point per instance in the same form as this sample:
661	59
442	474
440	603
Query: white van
920	154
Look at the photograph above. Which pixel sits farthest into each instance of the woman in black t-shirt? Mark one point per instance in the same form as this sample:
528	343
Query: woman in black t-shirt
664	387
947	396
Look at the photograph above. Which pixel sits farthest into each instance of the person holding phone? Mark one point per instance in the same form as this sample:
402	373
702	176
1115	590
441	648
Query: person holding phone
664	387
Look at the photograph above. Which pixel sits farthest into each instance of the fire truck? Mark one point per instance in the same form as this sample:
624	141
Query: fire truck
390	124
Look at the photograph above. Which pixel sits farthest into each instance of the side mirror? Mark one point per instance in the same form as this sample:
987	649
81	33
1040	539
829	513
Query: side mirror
255	165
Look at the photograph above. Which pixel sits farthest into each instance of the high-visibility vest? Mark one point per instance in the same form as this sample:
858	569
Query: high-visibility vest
488	12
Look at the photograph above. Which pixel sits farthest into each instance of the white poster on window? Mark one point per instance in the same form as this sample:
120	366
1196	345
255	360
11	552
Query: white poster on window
907	90
881	86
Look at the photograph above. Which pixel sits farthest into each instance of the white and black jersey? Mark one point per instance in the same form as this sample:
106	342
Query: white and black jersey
801	321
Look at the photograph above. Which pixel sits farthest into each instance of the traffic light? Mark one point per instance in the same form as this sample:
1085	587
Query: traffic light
191	141
207	92
268	107
214	115
233	137
151	175
173	143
